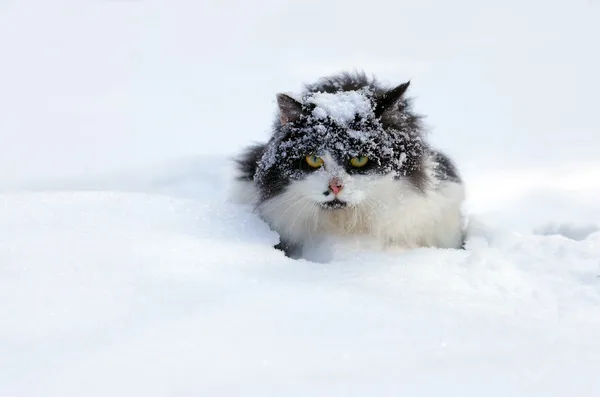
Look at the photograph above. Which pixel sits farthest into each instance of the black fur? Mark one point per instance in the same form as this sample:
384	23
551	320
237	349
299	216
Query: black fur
247	162
342	82
290	250
445	170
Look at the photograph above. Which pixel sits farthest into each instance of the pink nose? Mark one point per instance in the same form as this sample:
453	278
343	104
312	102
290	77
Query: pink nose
335	185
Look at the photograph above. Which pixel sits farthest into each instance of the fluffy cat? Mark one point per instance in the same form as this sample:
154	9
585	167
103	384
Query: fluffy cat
348	158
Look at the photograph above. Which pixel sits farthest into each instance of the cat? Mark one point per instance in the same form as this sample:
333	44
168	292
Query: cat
349	158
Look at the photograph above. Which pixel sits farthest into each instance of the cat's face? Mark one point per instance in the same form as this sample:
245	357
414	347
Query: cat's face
336	148
333	181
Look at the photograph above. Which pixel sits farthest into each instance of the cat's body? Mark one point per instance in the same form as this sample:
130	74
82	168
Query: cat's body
349	159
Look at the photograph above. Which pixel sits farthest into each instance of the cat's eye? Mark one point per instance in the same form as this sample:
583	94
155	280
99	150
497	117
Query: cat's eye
359	161
314	161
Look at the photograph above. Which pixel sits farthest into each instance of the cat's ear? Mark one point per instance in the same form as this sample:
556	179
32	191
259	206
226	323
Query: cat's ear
289	108
390	98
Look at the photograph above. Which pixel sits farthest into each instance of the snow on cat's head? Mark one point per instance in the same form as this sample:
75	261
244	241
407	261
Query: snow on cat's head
341	140
342	107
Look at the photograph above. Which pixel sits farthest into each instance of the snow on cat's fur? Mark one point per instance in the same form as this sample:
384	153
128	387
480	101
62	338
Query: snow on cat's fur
406	195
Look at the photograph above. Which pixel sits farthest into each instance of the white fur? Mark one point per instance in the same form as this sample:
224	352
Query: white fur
382	210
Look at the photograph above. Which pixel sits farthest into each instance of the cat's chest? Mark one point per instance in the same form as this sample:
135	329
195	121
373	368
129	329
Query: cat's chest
349	222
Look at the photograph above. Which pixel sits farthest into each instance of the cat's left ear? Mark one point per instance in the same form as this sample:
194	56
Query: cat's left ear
289	108
390	98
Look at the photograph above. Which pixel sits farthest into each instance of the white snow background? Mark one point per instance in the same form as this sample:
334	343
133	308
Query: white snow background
124	271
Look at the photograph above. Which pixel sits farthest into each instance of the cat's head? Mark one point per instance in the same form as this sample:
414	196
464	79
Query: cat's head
341	141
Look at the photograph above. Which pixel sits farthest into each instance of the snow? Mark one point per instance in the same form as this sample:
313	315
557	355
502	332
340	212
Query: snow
124	271
166	290
342	107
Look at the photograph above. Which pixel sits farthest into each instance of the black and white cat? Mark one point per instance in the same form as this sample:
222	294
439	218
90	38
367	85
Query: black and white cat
348	158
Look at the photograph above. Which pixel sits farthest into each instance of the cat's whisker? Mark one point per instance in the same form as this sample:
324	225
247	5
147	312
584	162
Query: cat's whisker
377	201
368	216
373	217
353	223
280	204
357	217
293	205
312	225
315	217
368	202
298	215
371	209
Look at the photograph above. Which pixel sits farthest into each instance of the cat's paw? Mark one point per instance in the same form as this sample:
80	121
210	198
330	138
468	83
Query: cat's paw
290	250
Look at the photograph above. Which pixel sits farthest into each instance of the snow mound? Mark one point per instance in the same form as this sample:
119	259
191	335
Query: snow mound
572	231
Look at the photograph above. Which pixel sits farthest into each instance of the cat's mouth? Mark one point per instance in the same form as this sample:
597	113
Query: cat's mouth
334	204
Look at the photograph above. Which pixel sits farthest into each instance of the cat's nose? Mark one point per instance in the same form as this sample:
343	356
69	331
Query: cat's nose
335	185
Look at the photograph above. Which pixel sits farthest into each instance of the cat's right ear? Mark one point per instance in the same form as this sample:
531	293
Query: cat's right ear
390	99
289	108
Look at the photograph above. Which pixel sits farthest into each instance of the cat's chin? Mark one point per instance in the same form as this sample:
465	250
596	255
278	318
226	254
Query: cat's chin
333	205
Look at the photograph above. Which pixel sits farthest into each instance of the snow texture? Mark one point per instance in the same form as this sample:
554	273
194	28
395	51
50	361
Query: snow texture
124	274
162	290
342	107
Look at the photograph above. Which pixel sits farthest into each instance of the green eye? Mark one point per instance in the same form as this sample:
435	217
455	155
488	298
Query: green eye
314	161
359	161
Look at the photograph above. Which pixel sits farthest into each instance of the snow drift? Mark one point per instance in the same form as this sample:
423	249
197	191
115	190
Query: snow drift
171	291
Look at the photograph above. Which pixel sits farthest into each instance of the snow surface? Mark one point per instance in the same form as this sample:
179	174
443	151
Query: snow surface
166	289
124	273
